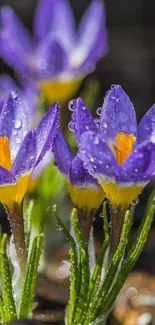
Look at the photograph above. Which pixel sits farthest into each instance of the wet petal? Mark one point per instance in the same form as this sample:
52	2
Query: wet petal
118	114
50	57
97	156
82	119
56	17
6	177
6	85
146	127
47	130
13	122
79	176
62	152
139	167
91	38
26	156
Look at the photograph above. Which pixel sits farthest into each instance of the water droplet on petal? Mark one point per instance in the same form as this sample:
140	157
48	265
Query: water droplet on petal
71	126
18	123
14	94
71	105
14	132
99	111
18	140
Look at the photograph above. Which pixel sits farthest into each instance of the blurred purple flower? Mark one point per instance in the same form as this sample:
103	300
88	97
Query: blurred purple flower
117	153
85	192
57	54
22	148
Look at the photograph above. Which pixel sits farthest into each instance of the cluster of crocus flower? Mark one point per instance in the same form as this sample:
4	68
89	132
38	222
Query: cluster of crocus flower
113	154
115	159
57	57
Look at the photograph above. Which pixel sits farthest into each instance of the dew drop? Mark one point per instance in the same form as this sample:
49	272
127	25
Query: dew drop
135	202
71	126
14	94
14	132
99	111
18	140
71	105
18	124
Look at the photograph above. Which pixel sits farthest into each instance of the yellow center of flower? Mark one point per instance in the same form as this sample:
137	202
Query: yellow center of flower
5	155
85	197
60	90
125	144
10	193
121	195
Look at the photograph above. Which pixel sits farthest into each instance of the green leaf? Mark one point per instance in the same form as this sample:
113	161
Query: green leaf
5	276
2	311
83	268
74	272
112	271
31	275
133	254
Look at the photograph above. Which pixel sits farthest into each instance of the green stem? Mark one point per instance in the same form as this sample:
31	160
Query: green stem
15	215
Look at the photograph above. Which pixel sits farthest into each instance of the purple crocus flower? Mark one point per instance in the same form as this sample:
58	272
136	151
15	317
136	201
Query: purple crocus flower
21	151
120	155
29	96
22	148
57	55
85	192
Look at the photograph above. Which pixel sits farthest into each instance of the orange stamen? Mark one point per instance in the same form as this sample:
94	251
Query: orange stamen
125	145
5	155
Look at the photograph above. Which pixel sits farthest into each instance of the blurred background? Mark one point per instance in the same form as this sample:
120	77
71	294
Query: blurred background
131	63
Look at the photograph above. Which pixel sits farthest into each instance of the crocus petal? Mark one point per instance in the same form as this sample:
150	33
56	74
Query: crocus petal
91	38
6	82
97	156
79	176
56	17
46	131
17	30
15	40
82	119
139	166
62	152
6	85
26	156
118	114
6	177
12	53
50	57
146	127
13	122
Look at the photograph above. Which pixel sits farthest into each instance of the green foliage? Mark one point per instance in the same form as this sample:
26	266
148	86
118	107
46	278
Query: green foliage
92	296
